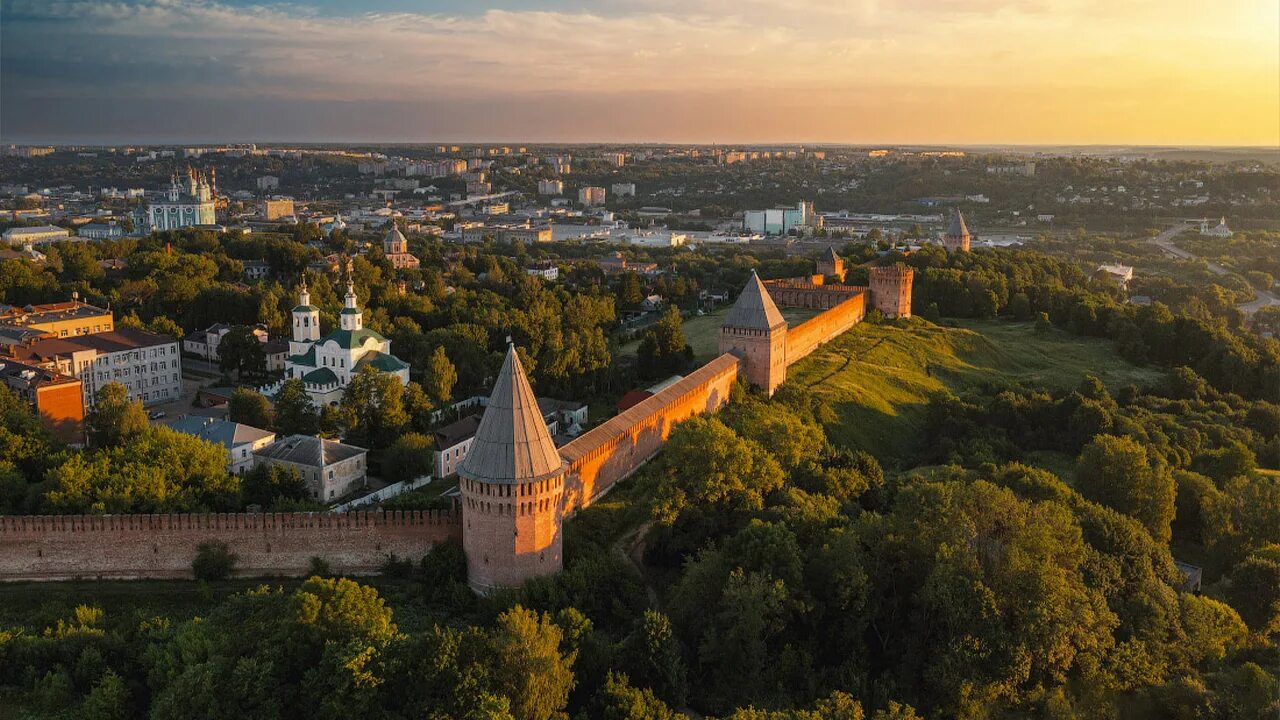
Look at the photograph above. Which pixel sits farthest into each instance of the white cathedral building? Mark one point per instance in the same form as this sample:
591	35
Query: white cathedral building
327	364
188	201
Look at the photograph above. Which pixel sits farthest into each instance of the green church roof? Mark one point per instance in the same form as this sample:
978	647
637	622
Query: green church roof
323	376
382	362
350	339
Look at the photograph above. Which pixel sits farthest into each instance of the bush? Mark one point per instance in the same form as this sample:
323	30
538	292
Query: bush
319	566
213	561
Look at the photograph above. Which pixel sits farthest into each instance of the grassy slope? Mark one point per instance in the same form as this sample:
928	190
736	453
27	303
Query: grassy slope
703	332
879	377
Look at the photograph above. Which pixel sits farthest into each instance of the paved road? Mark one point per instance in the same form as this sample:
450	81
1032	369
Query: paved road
1165	241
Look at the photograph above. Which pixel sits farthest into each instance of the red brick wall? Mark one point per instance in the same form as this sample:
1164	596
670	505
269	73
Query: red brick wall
60	547
613	450
61	409
803	338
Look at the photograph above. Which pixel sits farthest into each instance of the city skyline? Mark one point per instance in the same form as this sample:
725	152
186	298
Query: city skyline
961	72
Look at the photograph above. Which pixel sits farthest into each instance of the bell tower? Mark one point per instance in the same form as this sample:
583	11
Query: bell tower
512	485
306	322
755	331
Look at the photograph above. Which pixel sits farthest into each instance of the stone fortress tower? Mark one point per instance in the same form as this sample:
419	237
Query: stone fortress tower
957	238
891	288
831	264
755	331
512	485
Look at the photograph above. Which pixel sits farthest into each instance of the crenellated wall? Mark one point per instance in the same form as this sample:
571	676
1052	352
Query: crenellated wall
62	547
614	449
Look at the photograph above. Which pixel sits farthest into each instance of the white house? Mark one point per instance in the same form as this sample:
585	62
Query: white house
240	441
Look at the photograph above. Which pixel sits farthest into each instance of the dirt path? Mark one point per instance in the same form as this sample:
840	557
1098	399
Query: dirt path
631	548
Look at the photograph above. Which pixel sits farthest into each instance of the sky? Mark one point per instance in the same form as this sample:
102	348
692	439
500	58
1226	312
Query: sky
947	72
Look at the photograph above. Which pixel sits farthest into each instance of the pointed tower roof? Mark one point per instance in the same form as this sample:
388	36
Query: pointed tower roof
512	444
754	309
831	255
958	228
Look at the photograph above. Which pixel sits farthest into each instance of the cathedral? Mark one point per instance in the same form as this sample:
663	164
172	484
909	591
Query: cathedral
327	364
188	201
396	248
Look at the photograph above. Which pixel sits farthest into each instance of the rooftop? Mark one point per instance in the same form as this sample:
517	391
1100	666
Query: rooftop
512	444
222	432
309	451
754	309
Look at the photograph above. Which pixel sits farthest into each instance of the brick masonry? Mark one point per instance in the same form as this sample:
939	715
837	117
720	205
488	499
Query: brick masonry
64	547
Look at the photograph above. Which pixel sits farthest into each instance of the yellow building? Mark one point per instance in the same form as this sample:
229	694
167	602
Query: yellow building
65	319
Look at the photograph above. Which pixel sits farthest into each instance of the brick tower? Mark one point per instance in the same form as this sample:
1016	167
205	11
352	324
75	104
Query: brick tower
957	237
512	484
755	331
831	264
891	289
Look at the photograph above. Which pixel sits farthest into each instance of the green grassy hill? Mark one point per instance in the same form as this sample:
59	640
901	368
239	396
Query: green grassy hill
878	378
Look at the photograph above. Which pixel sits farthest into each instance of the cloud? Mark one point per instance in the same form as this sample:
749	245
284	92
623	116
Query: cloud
759	57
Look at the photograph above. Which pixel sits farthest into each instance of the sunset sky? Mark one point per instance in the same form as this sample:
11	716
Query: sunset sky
1203	72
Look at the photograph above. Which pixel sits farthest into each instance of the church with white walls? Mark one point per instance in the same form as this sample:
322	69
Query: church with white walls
327	364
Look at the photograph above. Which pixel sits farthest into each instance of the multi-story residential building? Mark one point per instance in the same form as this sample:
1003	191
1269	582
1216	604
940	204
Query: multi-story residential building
64	319
240	441
187	202
591	195
621	190
268	182
329	468
148	365
526	234
57	399
550	187
35	235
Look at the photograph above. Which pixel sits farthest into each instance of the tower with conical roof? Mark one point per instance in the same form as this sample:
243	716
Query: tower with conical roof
512	485
306	322
957	237
755	331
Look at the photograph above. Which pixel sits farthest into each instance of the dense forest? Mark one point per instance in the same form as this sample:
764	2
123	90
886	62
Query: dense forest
756	569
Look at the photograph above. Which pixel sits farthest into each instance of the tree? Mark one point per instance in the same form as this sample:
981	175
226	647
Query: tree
295	413
708	465
108	700
213	561
267	485
617	699
240	350
663	349
115	418
1121	473
373	408
529	664
1254	591
652	654
439	378
630	294
409	457
249	407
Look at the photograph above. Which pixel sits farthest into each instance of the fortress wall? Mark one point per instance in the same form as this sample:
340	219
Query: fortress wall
613	450
800	293
802	339
62	547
